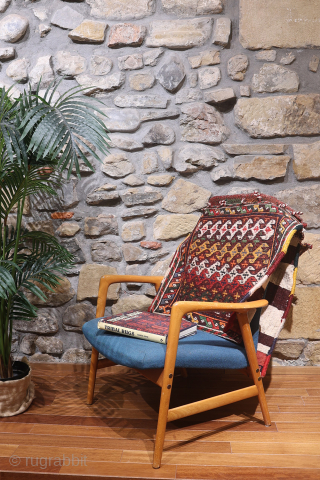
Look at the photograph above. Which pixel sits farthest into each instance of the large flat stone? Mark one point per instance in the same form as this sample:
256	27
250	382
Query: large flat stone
185	197
170	227
254	148
122	9
140	196
103	224
126	35
130	62
105	251
179	34
126	120
89	31
89	280
192	8
105	83
141	81
125	142
141	101
133	231
202	123
66	18
289	349
68	65
117	165
284	24
192	157
159	134
262	167
275	78
75	316
131	302
309	261
279	116
305	199
100	64
306	160
205	58
133	253
59	296
46	323
303	319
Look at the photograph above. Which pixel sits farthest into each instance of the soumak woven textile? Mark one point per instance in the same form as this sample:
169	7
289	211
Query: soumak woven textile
244	247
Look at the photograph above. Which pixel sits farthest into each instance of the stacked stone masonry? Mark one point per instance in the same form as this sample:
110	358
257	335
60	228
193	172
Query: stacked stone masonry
202	97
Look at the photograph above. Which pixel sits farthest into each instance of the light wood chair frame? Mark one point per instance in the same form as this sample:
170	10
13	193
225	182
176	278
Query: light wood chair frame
164	377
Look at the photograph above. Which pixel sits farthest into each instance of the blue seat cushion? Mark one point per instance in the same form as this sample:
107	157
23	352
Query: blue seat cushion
202	350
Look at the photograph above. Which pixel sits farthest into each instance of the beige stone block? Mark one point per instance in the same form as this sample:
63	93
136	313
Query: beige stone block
170	227
185	197
222	31
309	261
160	180
179	33
68	229
205	58
261	167
126	34
192	8
305	199
306	162
89	31
61	294
89	280
121	9
303	320
314	64
253	148
275	78
133	231
312	353
132	302
283	24
279	116
289	349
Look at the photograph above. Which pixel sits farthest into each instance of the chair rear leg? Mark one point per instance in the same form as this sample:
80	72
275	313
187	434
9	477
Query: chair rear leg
253	363
92	375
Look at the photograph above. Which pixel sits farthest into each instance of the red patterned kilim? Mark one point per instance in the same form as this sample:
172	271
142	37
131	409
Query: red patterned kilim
237	245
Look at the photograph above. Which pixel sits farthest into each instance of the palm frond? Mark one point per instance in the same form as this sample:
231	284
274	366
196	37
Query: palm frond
72	123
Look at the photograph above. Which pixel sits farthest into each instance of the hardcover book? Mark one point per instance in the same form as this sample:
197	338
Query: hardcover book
144	325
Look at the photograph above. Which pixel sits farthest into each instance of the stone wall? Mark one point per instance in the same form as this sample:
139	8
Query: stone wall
202	97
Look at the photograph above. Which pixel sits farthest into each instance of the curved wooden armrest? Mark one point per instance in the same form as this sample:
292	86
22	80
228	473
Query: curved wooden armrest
187	307
108	280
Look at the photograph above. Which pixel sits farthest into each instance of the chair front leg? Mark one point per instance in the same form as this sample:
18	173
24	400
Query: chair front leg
253	363
167	380
92	375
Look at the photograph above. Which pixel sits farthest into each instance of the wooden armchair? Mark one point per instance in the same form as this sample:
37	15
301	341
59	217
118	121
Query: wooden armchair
232	253
164	376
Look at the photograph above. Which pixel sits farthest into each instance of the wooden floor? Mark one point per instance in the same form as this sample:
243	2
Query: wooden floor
60	436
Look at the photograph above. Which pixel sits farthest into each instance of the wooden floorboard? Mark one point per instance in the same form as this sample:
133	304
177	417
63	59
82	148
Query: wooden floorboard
60	437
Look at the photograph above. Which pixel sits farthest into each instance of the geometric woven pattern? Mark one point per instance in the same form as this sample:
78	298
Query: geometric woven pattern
236	246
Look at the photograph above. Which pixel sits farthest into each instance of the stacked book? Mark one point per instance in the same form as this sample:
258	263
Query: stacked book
144	325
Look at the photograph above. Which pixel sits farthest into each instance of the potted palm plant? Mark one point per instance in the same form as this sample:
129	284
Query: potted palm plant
40	138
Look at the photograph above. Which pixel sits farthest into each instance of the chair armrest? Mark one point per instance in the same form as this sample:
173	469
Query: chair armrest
187	307
108	280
